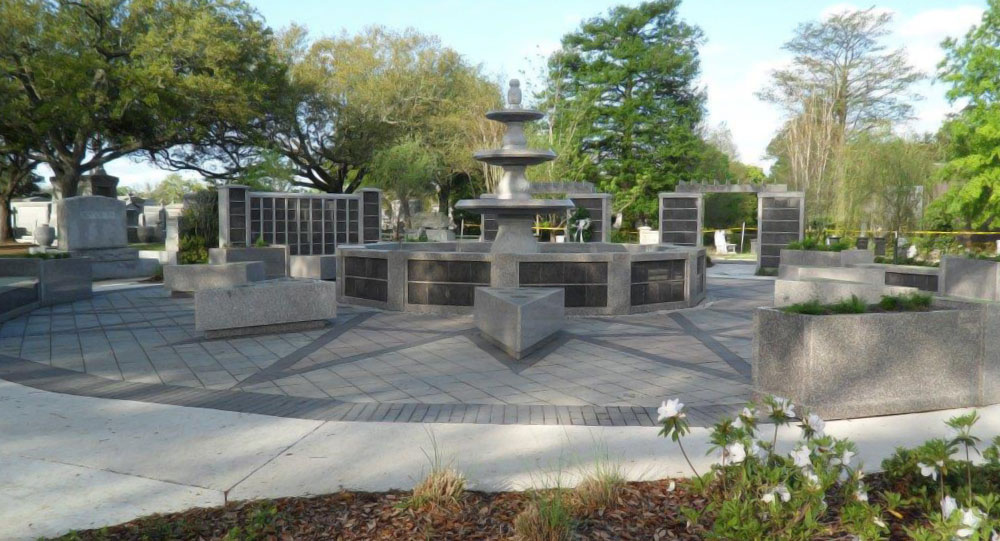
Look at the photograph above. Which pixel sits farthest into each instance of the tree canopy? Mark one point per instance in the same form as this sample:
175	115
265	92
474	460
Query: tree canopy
625	104
970	67
96	81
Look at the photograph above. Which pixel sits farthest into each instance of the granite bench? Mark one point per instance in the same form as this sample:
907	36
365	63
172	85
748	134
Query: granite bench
519	320
270	306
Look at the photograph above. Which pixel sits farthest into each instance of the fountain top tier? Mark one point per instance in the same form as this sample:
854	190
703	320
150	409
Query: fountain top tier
512	204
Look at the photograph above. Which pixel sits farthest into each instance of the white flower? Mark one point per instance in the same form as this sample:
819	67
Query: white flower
672	486
879	522
994	536
780	491
844	459
862	494
738	423
811	477
801	456
735	452
670	409
816	423
948	506
971	518
783	405
756	450
930	470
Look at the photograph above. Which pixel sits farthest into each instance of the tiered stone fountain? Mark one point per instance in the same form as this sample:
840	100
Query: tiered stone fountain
513	206
442	277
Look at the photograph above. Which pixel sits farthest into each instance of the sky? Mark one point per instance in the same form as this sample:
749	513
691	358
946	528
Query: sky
743	39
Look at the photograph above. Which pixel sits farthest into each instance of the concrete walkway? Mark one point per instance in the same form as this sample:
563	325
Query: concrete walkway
72	462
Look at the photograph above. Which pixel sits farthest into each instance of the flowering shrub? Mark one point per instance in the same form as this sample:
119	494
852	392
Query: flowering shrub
816	487
757	491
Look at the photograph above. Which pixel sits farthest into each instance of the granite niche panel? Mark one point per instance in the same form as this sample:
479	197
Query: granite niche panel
445	283
366	278
655	282
585	283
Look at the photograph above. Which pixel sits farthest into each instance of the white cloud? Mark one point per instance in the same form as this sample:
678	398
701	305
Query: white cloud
940	23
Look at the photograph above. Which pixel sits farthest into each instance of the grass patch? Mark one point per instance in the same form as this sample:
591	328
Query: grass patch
154	246
547	517
600	488
765	271
443	484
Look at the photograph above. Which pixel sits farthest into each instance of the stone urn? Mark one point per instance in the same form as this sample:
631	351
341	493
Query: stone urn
44	235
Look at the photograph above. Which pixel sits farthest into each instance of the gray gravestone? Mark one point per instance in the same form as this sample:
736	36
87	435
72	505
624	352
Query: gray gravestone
91	222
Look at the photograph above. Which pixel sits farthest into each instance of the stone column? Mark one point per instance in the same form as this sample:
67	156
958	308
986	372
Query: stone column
780	220
234	216
681	218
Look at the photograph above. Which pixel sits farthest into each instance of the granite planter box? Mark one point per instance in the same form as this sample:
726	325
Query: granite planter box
59	280
275	258
270	306
817	258
861	365
970	278
185	280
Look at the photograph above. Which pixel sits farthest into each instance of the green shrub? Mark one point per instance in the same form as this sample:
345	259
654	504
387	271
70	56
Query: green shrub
811	307
815	244
192	250
260	242
912	302
853	305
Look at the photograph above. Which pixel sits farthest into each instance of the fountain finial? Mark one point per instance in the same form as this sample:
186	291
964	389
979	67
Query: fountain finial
514	94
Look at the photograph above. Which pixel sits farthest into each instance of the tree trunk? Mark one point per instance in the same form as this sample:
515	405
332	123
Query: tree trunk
444	197
6	227
68	183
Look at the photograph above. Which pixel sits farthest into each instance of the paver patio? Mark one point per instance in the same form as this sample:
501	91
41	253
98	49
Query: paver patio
369	365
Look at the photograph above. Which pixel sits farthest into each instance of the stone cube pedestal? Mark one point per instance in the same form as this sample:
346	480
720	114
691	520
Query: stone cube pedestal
519	319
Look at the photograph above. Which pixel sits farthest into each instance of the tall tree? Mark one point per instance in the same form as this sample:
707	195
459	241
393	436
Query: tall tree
347	97
970	67
17	178
842	81
405	170
624	88
112	78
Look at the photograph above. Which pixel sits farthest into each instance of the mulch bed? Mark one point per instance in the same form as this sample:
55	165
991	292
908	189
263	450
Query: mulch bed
644	511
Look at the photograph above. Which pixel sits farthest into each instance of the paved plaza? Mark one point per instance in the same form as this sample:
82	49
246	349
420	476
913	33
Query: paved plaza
138	343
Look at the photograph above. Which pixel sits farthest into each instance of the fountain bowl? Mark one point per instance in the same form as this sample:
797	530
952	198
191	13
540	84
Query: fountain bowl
515	115
514	157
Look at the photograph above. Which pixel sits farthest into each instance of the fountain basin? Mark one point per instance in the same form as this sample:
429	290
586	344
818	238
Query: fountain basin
598	278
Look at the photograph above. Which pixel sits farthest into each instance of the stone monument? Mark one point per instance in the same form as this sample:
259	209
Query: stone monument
93	226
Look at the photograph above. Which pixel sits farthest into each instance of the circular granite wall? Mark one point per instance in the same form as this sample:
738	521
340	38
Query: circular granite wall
598	278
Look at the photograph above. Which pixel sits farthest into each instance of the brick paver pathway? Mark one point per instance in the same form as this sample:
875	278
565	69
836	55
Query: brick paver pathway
386	366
